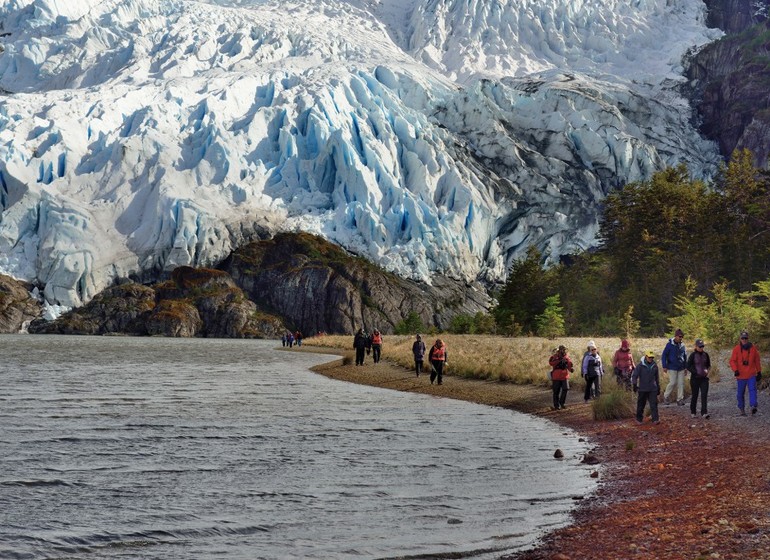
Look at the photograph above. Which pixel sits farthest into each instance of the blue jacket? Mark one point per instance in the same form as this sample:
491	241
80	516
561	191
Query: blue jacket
674	356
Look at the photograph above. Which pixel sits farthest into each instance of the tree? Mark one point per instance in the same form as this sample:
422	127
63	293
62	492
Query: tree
410	325
522	295
628	325
550	323
657	232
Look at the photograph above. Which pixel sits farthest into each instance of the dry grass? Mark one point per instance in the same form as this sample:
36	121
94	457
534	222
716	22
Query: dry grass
521	360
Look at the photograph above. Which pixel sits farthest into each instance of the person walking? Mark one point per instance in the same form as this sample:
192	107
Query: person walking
623	364
674	362
438	360
376	346
359	343
592	370
747	368
646	383
418	351
561	367
699	364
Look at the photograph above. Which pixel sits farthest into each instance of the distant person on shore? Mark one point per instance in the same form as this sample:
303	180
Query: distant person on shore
561	366
376	346
699	364
592	371
674	362
623	364
646	382
368	343
359	343
283	340
418	350
298	338
747	368
290	339
438	360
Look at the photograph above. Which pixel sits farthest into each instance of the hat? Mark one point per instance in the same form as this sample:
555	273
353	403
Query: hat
649	354
699	343
562	347
625	344
744	334
678	332
591	344
419	337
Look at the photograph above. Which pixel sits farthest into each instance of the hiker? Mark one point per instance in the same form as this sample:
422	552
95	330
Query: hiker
418	350
561	366
592	371
646	382
283	340
438	359
623	364
368	343
298	338
747	368
376	345
674	362
698	364
359	343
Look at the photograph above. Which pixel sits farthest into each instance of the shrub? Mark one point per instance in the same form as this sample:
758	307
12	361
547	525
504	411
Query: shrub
614	403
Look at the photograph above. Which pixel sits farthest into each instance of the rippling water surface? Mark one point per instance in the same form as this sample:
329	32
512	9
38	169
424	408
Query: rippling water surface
175	448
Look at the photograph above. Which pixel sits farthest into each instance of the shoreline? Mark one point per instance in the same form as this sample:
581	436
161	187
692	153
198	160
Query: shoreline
687	488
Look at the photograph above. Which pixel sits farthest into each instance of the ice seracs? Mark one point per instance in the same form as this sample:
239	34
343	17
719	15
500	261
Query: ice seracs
431	137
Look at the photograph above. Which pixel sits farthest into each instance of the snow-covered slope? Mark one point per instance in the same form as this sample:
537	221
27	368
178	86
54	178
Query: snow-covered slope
432	136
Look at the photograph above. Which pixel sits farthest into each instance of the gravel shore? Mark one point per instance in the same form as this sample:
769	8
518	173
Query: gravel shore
684	489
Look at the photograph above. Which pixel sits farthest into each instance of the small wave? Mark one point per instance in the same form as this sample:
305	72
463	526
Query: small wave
37	482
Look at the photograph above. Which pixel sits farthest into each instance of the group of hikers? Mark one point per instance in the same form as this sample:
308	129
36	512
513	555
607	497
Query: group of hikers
291	338
644	377
365	344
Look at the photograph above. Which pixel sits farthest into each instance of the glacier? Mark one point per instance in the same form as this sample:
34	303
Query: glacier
429	136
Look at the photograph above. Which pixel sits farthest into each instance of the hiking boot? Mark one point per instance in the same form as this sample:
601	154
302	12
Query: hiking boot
742	413
705	416
656	421
680	402
693	415
753	410
666	402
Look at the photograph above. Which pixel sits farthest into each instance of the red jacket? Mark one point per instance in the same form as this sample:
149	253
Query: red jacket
561	365
750	356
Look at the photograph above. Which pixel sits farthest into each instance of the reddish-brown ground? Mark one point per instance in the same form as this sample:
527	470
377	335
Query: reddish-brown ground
684	489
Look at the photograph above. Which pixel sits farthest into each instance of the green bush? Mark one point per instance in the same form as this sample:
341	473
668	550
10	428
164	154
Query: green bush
615	403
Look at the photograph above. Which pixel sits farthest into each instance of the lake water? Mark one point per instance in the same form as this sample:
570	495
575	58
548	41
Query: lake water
116	447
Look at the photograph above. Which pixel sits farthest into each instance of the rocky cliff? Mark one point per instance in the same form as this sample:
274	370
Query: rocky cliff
17	306
317	286
194	302
730	79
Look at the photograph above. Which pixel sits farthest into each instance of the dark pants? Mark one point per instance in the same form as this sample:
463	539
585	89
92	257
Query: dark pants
641	401
592	382
560	389
700	385
418	366
376	349
359	356
437	371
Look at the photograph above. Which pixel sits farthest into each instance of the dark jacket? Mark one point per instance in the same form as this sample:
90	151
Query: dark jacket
691	363
359	341
418	349
674	356
646	376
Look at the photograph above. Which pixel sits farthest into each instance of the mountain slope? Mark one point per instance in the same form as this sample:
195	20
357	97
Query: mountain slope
137	136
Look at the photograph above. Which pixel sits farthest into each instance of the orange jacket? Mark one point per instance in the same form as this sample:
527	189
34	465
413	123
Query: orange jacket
750	356
560	370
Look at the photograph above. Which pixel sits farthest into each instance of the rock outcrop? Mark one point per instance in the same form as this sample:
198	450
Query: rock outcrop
195	302
17	306
317	286
730	81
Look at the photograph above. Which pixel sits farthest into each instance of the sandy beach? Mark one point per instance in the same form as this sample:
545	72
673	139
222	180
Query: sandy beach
684	489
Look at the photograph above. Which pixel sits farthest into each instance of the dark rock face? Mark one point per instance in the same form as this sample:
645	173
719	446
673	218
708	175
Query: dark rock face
195	302
120	309
730	80
317	286
731	16
17	306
